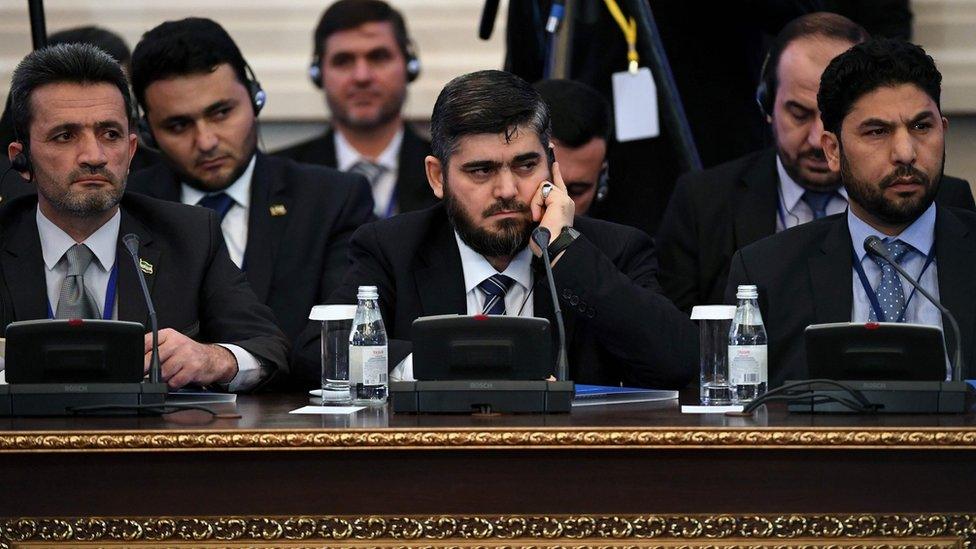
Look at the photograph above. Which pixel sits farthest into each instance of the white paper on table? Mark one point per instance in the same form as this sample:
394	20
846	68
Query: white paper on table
710	409
320	410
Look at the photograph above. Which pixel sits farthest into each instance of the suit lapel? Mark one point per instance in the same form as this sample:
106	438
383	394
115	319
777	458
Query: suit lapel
757	200
830	275
328	151
132	304
440	278
23	268
955	257
412	186
264	230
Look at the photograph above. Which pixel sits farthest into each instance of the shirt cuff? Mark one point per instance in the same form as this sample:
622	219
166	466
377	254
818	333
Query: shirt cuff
404	370
250	371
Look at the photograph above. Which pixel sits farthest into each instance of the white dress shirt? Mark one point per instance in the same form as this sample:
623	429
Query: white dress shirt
791	210
234	224
385	184
518	298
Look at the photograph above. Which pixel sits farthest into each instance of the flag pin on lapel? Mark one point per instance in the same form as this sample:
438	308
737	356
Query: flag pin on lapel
278	210
145	266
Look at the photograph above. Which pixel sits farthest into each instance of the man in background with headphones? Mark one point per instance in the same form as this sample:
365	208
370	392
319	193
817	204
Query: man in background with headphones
287	225
715	212
580	133
363	60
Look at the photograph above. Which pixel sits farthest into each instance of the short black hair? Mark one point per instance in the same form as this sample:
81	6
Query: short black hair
486	102
822	24
194	45
349	14
104	39
877	63
73	63
579	113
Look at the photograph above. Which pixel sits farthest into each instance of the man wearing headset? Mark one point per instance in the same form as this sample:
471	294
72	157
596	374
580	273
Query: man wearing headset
363	60
715	212
287	225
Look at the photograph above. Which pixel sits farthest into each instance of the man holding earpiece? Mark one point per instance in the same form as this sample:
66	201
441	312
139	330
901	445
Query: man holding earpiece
363	60
715	212
287	225
471	254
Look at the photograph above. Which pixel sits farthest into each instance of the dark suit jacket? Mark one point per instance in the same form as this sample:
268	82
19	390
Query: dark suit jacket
295	260
619	327
805	275
715	212
413	191
195	286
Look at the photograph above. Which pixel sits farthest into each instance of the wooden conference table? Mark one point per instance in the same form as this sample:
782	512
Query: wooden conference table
634	475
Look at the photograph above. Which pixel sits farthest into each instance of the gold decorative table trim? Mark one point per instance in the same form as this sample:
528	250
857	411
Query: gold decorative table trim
495	438
931	531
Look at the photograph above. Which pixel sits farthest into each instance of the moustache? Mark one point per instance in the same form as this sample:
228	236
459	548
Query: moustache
815	154
90	171
913	174
506	205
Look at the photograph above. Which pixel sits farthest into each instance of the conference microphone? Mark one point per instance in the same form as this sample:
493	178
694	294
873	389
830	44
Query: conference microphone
874	246
488	16
541	236
131	242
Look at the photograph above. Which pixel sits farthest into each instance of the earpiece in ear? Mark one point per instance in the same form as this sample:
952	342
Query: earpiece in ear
145	132
315	71
20	162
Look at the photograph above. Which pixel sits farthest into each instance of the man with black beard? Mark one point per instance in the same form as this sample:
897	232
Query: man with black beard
885	134
471	254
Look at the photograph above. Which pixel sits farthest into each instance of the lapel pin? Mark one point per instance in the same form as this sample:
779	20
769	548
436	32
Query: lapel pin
278	210
145	266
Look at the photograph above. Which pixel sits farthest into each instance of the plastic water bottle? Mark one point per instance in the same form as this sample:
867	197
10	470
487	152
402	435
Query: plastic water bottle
368	373
748	371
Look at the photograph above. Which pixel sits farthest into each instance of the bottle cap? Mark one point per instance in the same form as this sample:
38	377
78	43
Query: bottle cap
368	292
745	291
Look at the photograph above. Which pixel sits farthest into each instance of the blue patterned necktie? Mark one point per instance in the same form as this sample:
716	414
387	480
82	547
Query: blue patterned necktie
818	202
494	287
218	202
891	295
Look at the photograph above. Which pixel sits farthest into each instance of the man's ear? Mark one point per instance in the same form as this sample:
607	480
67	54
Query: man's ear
831	148
14	149
435	175
133	145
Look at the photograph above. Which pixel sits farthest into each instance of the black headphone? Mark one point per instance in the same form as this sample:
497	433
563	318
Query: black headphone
603	184
766	90
254	90
413	65
22	160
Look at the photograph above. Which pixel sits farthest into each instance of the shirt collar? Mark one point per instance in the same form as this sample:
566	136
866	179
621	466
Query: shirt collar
790	190
239	190
55	242
919	235
346	155
476	268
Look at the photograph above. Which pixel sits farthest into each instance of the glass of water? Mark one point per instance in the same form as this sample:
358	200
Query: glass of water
336	326
714	322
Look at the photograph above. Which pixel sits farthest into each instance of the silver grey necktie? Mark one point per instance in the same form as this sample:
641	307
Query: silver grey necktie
370	170
74	300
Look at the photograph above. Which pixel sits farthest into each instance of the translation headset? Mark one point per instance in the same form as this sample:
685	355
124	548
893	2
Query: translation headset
413	65
603	183
254	91
22	161
765	91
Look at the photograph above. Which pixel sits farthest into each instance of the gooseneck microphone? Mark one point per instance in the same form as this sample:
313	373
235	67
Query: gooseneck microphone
131	242
488	16
541	236
874	246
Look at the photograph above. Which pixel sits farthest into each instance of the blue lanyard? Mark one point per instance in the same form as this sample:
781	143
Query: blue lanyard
391	206
110	290
873	295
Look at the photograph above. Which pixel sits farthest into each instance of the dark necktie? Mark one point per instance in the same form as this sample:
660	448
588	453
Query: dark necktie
74	300
218	202
494	287
370	170
818	202
890	294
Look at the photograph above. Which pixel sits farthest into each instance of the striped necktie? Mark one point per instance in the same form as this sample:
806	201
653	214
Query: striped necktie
494	287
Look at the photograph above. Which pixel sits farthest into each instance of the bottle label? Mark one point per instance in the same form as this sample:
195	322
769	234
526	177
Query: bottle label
747	364
368	365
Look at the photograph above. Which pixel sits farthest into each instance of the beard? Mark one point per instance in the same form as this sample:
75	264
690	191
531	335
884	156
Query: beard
871	196
88	203
209	186
510	236
827	182
388	111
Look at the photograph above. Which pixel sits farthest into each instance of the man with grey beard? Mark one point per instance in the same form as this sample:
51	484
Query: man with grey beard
62	255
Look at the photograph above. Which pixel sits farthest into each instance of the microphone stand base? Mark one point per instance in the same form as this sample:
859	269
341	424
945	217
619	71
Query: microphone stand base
60	399
894	397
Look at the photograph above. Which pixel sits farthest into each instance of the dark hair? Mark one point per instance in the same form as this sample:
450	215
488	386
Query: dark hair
489	102
579	113
74	63
877	63
823	24
177	48
349	14
103	39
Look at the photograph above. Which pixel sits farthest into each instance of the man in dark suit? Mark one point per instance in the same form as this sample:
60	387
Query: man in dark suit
885	135
287	225
62	253
363	60
715	212
471	254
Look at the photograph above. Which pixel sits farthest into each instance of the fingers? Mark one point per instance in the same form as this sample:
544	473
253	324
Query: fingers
557	177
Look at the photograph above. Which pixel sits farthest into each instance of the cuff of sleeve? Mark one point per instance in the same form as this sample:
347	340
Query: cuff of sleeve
250	371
